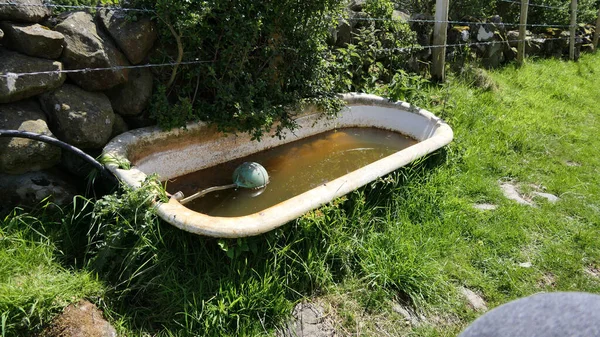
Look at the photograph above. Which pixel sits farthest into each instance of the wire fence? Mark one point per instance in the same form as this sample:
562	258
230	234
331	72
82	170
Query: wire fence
13	76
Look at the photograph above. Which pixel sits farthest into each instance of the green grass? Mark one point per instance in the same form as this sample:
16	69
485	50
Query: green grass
412	237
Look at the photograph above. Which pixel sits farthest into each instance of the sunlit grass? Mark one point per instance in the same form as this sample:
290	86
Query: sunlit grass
412	237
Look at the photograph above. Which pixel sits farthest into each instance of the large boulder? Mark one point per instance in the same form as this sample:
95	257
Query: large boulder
78	117
33	39
24	11
14	88
20	155
86	46
135	38
131	98
30	188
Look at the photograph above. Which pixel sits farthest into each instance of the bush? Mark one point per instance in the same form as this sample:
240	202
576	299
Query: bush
263	60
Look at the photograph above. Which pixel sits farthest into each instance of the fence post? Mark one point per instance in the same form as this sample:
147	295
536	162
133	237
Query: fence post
440	31
572	30
596	31
522	32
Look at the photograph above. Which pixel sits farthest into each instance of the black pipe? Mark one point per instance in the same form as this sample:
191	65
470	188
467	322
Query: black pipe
50	140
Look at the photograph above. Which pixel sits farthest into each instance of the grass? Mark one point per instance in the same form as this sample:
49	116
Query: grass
411	238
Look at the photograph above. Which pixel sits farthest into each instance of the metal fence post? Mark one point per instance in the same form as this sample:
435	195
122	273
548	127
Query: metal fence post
440	31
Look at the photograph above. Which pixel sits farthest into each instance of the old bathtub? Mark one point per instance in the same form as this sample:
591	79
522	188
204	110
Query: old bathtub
180	151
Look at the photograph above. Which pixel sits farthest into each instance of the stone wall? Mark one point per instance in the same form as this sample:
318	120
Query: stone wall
84	109
490	40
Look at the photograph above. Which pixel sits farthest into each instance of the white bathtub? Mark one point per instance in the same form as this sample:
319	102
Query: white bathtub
180	151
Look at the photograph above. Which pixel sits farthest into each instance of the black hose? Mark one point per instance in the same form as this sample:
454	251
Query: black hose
47	139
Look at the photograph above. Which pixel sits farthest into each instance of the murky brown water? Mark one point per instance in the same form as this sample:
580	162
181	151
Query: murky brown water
293	168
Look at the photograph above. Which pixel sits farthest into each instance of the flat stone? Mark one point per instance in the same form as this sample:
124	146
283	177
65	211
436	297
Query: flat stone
572	163
550	197
309	320
510	192
78	320
30	188
25	11
78	117
33	40
525	264
20	155
135	38
408	313
14	88
86	46
475	301
485	207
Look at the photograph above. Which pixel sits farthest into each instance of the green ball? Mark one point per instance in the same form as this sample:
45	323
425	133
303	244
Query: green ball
250	175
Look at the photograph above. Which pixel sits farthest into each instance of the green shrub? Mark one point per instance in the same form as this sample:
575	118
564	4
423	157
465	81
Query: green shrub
263	60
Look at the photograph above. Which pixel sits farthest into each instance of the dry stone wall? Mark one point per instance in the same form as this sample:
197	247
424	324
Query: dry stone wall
84	109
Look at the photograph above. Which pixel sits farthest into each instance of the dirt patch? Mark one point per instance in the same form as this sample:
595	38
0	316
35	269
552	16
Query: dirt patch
548	280
78	320
593	271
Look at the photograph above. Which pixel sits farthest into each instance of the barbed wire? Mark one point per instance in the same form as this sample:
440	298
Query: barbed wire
14	76
420	47
51	5
566	7
86	70
459	22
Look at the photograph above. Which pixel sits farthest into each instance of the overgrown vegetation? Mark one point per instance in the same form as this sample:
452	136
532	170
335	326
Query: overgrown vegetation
411	238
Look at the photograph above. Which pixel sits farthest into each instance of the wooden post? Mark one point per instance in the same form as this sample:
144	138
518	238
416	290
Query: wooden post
596	31
440	32
572	30
522	32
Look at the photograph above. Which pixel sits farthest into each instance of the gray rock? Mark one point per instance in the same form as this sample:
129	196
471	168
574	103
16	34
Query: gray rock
33	40
75	165
80	319
20	155
30	188
14	88
132	97
485	207
88	47
1	34
550	197
475	301
510	192
119	126
25	11
78	117
309	321
409	314
401	16
135	38
357	5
